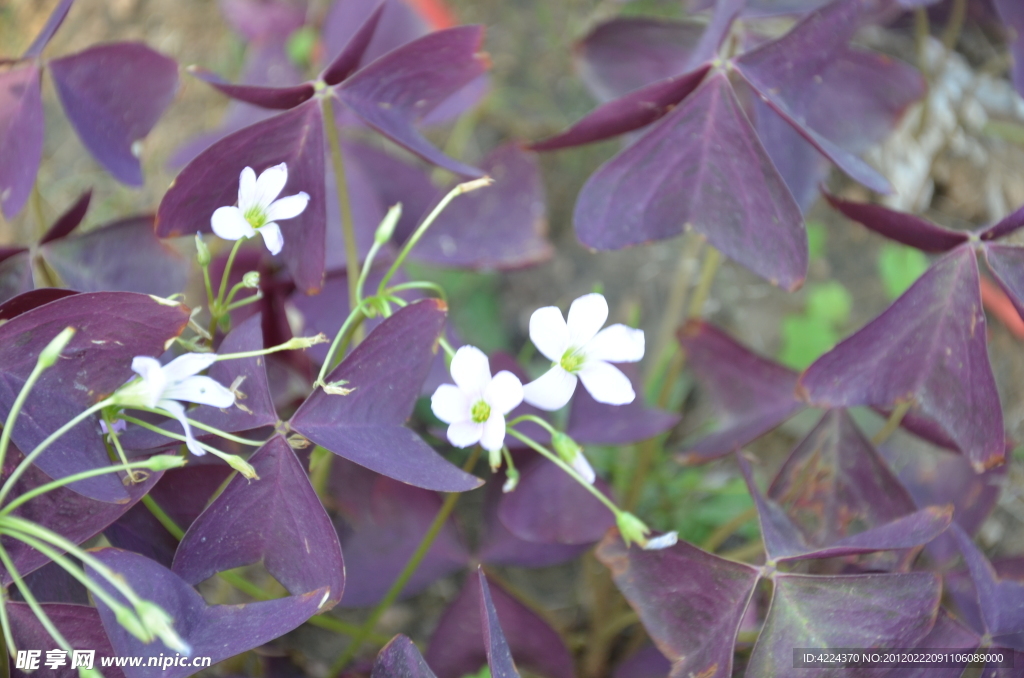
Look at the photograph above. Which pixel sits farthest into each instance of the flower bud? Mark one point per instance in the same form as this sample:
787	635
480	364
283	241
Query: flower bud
566	447
251	280
202	251
304	342
159	623
48	356
387	225
132	624
494	459
511	480
241	465
164	462
633	529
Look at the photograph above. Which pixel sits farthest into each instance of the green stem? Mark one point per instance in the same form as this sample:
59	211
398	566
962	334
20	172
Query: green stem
217	307
19	402
403	578
536	420
233	460
893	423
162	517
676	304
205	427
356	315
365	272
420	285
37	609
244	302
344	203
447	348
5	624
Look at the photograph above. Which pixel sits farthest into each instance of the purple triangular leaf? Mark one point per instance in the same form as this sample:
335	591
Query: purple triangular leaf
630	112
96	261
79	624
461	642
400	658
23	303
902	227
70	220
865	611
550	507
211	181
948	633
799	163
215	631
684	173
690	602
1001	601
21	136
277	520
399	25
53	584
500	227
1004	227
647	662
348	60
1005	262
929	346
113	95
385	373
112	328
499	656
751	395
53	22
400	88
1012	14
594	423
278	98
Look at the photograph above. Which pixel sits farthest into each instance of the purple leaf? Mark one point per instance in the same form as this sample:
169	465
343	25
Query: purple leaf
1001	601
869	611
947	633
1005	262
124	256
79	624
500	227
902	227
799	163
399	25
112	328
265	97
550	507
1012	14
684	172
263	20
594	423
395	181
385	373
781	71
113	95
751	395
348	60
53	22
277	520
215	631
632	111
24	303
1004	226
70	220
21	136
53	584
690	602
627	53
400	88
400	659
464	639
929	346
211	181
645	663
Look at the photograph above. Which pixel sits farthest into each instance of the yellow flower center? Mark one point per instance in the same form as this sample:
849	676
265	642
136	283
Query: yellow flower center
255	216
572	360
480	412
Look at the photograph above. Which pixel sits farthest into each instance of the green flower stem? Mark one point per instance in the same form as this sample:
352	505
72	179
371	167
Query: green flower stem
356	316
365	272
217	306
293	344
209	287
536	420
162	517
5	625
209	429
403	578
675	306
893	422
37	609
320	462
43	446
420	285
447	348
252	299
231	295
112	435
422	228
348	230
233	460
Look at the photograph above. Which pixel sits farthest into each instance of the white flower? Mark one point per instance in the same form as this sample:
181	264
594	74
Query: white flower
579	350
475	407
163	386
257	210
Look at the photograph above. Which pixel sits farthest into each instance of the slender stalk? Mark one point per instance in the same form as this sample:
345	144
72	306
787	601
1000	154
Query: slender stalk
209	429
675	305
403	578
892	423
162	517
252	299
712	259
365	273
348	230
19	402
37	609
356	315
746	552
420	285
5	625
233	460
345	628
37	209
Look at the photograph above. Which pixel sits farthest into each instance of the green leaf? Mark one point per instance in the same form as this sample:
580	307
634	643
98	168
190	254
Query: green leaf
899	266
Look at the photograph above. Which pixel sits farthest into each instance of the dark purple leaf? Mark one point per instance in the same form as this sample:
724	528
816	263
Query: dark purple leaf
500	227
211	181
1004	226
348	60
751	395
265	97
277	520
385	373
868	611
53	22
400	88
24	303
499	656
690	602
461	643
550	507
929	346
646	663
79	624
684	172
385	522
264	20
1012	14
902	227
112	328
70	220
53	584
399	25
1005	262
1001	601
799	163
113	95
594	423
215	631
124	256
627	53
21	135
400	659
395	181
947	633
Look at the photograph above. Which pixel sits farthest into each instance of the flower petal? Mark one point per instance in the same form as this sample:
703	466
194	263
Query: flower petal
552	390
202	390
549	333
272	237
154	381
664	541
187	365
471	371
583	467
246	189
606	383
504	393
289	207
465	433
493	437
450	404
177	410
229	223
587	315
270	184
616	344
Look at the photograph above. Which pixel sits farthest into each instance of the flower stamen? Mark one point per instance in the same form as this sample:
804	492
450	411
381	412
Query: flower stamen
481	412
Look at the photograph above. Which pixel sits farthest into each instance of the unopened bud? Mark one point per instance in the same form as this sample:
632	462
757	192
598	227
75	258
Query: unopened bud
494	458
48	356
566	447
202	251
241	465
511	480
633	529
164	462
387	225
251	280
132	624
304	342
160	624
